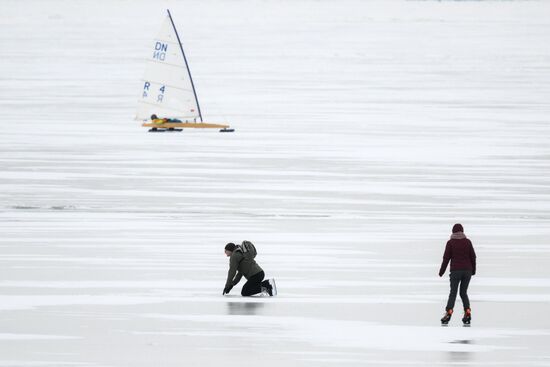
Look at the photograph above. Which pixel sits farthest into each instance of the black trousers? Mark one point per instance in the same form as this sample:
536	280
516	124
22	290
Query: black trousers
459	278
253	285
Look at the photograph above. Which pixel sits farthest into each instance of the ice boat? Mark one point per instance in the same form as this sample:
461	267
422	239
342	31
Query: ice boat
168	88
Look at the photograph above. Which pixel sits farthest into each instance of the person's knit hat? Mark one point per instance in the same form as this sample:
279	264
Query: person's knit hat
230	247
458	228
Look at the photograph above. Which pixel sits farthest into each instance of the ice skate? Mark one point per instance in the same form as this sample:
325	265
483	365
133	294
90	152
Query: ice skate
268	287
445	319
273	286
467	317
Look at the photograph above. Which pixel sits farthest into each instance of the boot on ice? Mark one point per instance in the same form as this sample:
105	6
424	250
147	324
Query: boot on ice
447	317
467	316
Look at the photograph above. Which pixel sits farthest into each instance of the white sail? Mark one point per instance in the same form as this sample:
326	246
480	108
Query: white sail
167	88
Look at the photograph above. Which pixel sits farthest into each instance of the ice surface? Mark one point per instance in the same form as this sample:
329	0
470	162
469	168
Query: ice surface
365	129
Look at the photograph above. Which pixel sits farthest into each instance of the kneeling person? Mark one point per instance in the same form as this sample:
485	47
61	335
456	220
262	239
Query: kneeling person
242	263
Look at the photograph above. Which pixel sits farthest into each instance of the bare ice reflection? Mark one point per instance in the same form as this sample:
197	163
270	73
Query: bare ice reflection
244	308
463	355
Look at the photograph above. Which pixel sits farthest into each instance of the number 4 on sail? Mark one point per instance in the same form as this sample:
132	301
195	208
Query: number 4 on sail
169	100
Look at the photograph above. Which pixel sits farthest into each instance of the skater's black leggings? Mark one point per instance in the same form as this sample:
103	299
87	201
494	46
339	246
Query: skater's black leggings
461	277
253	285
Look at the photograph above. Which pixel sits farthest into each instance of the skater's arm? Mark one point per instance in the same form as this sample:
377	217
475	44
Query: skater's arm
473	258
233	265
446	259
237	278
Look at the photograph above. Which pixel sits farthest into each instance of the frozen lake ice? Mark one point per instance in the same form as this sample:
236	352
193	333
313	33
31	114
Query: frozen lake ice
365	129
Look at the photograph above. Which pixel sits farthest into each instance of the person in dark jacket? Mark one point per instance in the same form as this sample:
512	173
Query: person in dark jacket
241	265
460	252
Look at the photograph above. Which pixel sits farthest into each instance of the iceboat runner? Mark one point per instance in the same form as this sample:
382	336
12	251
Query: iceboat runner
169	100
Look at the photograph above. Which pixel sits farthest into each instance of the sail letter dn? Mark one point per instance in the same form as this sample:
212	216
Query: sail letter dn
160	51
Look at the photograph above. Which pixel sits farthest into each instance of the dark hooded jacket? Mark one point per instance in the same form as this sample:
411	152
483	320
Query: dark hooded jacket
241	265
460	252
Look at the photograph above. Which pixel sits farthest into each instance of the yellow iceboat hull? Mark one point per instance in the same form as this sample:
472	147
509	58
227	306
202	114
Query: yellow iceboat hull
181	125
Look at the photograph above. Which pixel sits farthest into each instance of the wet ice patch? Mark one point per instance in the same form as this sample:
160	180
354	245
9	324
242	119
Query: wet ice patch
347	334
20	337
52	207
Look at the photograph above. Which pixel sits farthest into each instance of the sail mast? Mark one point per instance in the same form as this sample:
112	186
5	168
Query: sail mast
186	64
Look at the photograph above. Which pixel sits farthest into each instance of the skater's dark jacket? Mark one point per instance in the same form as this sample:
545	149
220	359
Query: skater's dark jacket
460	252
239	266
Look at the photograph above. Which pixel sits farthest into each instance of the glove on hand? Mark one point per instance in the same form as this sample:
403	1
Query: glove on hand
226	290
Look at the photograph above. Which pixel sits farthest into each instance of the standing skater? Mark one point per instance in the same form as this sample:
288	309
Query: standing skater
460	252
242	263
